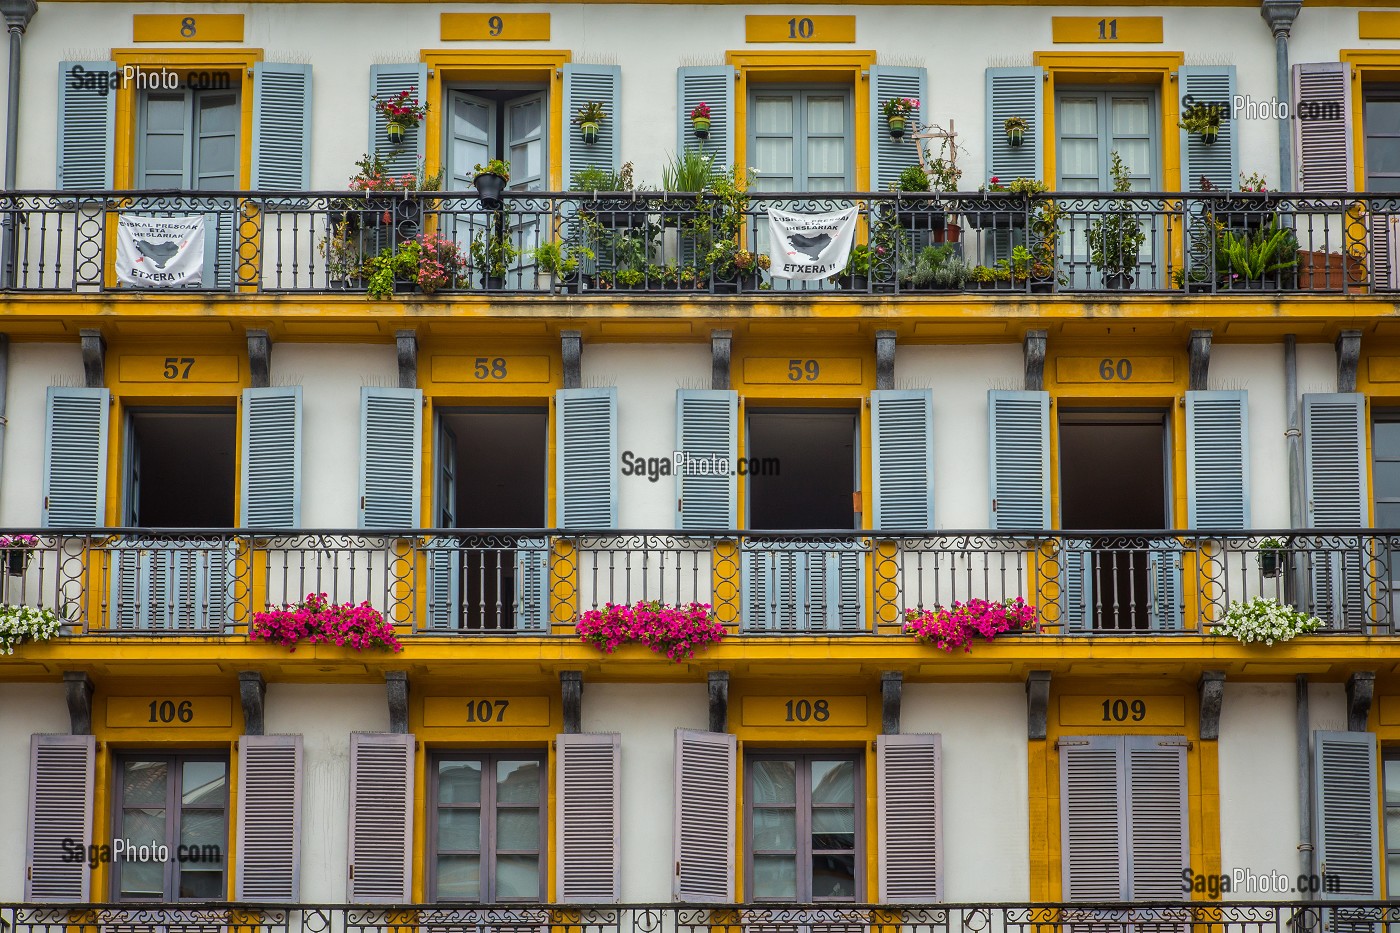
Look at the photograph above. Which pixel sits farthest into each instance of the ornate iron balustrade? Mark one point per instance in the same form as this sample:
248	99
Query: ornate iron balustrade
538	582
1101	917
673	243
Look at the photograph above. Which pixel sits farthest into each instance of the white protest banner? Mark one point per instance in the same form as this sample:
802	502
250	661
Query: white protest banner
809	247
160	252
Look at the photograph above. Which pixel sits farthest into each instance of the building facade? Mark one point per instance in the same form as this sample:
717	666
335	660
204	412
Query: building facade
240	370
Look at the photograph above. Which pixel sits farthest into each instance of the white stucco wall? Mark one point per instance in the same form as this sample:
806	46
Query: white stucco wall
24	709
325	715
986	817
1258	369
33	368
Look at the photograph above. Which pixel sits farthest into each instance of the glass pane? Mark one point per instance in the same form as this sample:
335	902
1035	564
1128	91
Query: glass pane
518	876
1080	184
1392	868
774	876
826	115
772	156
218	114
165	113
217	155
1387	474
833	781
1383	156
1383	185
1388	516
1130	116
517	782
525	120
825	184
202	783
470	120
459	877
1079	116
1079	157
774	829
826	156
1392	787
165	154
1137	155
143	879
834	829
459	781
834	876
205	830
1392	825
773	782
459	830
517	829
1383	116
1386	442
771	183
143	782
144	827
202	885
772	115
528	157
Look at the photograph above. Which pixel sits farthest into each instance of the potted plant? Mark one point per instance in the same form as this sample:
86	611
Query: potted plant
608	213
1266	620
936	268
17	549
1015	128
1271	553
957	626
342	254
490	180
401	113
898	111
734	269
1259	259
1203	120
1249	207
316	621
1001	206
440	263
856	275
690	171
561	266
921	214
20	624
700	120
493	255
674	631
391	270
984	277
1116	236
589	116
385	209
943	177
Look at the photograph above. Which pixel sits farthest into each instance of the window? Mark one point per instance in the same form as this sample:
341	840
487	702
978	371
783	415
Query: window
1392	820
1385	484
179	802
186	456
1093	124
500	124
799	140
188	140
486	827
802	830
1381	120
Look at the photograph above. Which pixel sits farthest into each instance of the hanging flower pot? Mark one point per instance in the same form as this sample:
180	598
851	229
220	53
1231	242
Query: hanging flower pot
589	132
489	186
1210	134
1015	136
701	125
896	127
396	132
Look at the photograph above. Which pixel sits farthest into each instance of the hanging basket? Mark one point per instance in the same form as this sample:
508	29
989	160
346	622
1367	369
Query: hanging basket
489	186
1209	135
1015	136
396	132
589	132
701	125
897	125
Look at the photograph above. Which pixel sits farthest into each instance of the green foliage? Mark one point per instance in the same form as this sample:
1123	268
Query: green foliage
494	253
913	178
591	112
599	179
1251	255
1201	118
390	266
690	170
561	261
1116	237
937	267
495	167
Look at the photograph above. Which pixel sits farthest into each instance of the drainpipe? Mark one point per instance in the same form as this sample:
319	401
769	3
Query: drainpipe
1305	846
1294	432
1280	14
17	14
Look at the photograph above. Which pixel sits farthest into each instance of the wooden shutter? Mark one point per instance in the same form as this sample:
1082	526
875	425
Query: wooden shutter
1334	479
381	818
589	827
587	458
714	86
87	115
387	81
75	457
901	425
445	556
1218	162
282	126
269	818
1217	460
1076	560
586	84
775	587
1093	856
1157	829
532	584
707	427
1322	143
60	810
1020	459
1015	92
889	157
391	431
909	789
1164	566
836	587
270	468
1345	802
704	830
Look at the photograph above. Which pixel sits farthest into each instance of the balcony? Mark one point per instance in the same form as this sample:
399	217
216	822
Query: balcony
536	583
652	243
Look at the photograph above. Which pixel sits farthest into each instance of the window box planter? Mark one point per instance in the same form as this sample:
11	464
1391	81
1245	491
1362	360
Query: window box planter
922	216
1323	271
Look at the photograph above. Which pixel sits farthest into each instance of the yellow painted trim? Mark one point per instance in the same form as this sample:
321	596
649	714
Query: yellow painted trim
1150	68
184	60
168	27
1378	24
1366	65
824	66
458	65
1011	3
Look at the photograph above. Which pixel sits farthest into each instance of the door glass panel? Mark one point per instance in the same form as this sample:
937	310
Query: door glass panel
470	137
144	826
774	829
834	828
1079	116
459	781
459	829
202	783
826	115
826	156
834	876
1131	116
773	115
775	876
774	782
142	879
526	134
144	782
203	829
517	782
833	781
517	876
459	877
517	829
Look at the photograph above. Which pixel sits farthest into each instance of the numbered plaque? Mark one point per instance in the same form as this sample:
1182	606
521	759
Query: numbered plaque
799	28
495	27
169	712
1106	29
1122	709
805	710
485	712
178	369
491	368
1107	370
802	370
187	27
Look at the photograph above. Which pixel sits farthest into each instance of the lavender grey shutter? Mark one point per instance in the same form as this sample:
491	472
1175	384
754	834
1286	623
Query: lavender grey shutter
60	809
704	830
909	786
269	818
1323	144
1345	801
589	824
1334	478
1158	836
1092	807
381	818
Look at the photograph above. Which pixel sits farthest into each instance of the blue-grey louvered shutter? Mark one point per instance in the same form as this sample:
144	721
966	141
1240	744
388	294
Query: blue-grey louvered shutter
269	819
707	85
1015	92
270	481
75	457
1217	460
87	115
391	422
1164	583
585	84
1322	143
589	825
1345	801
901	426
1334	478
909	785
532	584
380	846
836	587
586	473
387	81
61	784
776	580
1158	841
1219	162
1076	560
1020	459
445	557
889	157
1093	804
281	127
704	827
707	433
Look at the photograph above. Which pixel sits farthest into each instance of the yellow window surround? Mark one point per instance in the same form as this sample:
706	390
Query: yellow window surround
1367	66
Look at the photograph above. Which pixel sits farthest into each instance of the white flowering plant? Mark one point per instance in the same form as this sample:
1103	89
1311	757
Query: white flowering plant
1266	620
19	624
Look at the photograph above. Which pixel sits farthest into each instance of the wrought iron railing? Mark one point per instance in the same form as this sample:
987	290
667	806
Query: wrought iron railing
684	243
1100	917
538	582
